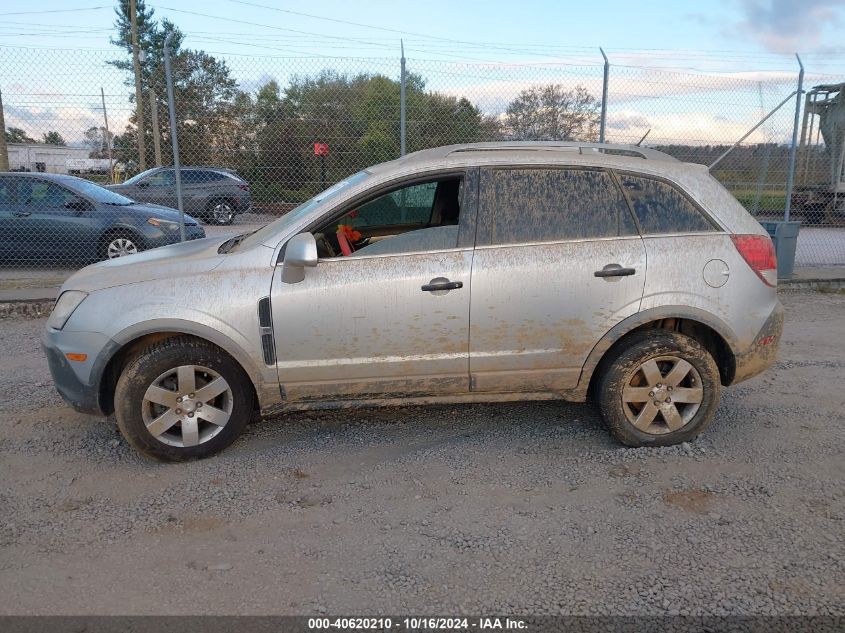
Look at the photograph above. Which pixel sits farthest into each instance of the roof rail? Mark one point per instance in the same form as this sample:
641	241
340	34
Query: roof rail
551	146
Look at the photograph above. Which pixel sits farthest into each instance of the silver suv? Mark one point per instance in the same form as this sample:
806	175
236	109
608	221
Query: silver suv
487	272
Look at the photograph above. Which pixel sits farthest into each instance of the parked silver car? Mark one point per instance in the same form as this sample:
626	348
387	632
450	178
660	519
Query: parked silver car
487	272
213	194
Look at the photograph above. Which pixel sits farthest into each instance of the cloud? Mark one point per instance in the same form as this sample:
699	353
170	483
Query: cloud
787	26
691	128
68	120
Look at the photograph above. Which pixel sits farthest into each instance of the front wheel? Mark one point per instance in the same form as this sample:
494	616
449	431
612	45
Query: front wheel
181	399
661	388
119	244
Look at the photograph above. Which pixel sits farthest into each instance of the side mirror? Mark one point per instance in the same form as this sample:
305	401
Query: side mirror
300	251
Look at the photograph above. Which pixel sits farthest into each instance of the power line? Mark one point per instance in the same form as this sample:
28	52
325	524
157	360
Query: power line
105	6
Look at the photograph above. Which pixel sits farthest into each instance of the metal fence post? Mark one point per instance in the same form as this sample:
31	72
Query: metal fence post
402	147
171	107
790	176
604	96
4	152
108	136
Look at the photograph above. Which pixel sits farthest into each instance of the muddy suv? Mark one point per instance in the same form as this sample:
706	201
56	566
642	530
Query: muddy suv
487	272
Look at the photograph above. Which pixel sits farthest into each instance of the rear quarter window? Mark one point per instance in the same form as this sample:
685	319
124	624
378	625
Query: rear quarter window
662	208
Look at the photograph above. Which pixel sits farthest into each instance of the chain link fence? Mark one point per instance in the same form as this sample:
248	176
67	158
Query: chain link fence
259	135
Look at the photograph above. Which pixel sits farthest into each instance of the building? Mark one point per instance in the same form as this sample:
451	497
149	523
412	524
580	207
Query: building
40	157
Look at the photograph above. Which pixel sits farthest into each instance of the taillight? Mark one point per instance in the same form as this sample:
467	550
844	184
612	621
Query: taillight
244	186
759	252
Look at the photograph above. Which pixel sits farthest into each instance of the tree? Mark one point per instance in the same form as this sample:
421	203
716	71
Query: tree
358	116
206	96
54	138
98	141
17	135
553	113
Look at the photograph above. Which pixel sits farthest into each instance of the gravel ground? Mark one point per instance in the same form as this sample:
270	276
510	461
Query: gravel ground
516	508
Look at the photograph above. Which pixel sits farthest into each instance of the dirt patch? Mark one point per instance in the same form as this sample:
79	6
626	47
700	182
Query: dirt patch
692	500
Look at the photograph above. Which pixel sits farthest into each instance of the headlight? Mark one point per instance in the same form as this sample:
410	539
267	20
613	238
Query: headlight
164	224
67	303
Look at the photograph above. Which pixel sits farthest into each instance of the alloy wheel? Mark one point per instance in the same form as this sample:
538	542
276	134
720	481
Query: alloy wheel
187	406
662	395
223	213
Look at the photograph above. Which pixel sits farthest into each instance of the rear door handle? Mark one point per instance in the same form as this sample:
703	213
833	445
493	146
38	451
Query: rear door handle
22	214
441	283
615	270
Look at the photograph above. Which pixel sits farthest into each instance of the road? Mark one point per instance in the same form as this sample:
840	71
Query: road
474	509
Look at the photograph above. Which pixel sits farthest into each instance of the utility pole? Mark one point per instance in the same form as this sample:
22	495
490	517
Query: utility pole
4	152
154	123
108	136
139	104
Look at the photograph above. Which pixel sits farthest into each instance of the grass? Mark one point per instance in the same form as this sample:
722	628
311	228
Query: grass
769	200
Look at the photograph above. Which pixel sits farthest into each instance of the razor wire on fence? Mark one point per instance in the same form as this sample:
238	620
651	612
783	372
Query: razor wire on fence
259	135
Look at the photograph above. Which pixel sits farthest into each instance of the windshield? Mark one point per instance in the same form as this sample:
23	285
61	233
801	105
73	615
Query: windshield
279	226
100	195
138	177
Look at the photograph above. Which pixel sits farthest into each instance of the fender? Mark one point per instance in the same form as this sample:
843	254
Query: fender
641	318
267	390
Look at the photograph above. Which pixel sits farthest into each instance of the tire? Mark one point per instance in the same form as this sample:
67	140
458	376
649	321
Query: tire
196	426
119	243
628	377
220	212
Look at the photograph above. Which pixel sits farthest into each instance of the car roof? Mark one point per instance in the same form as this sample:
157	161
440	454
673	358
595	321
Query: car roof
65	178
547	147
694	178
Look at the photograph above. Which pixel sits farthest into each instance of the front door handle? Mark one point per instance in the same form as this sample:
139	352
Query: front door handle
22	214
441	284
615	270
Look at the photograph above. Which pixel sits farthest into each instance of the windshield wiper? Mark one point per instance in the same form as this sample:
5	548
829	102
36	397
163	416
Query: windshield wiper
232	243
229	244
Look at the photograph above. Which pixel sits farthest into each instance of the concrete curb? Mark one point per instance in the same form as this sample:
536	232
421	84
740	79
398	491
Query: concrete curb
28	309
811	284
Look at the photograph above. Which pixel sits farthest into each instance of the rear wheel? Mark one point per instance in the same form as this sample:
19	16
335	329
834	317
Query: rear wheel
182	399
661	388
221	212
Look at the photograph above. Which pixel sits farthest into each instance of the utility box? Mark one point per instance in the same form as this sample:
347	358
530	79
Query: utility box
785	237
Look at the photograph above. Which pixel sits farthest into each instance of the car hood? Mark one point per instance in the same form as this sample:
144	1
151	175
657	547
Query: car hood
167	262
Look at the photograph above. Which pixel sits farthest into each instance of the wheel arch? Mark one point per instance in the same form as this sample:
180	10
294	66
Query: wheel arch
133	339
116	229
709	330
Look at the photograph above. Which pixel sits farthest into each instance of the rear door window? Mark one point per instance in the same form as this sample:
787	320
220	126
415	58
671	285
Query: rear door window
7	193
662	208
542	205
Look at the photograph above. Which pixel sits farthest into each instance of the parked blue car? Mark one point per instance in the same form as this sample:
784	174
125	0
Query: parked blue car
58	217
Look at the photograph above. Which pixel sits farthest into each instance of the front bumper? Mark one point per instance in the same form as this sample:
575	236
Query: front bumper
764	350
78	383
